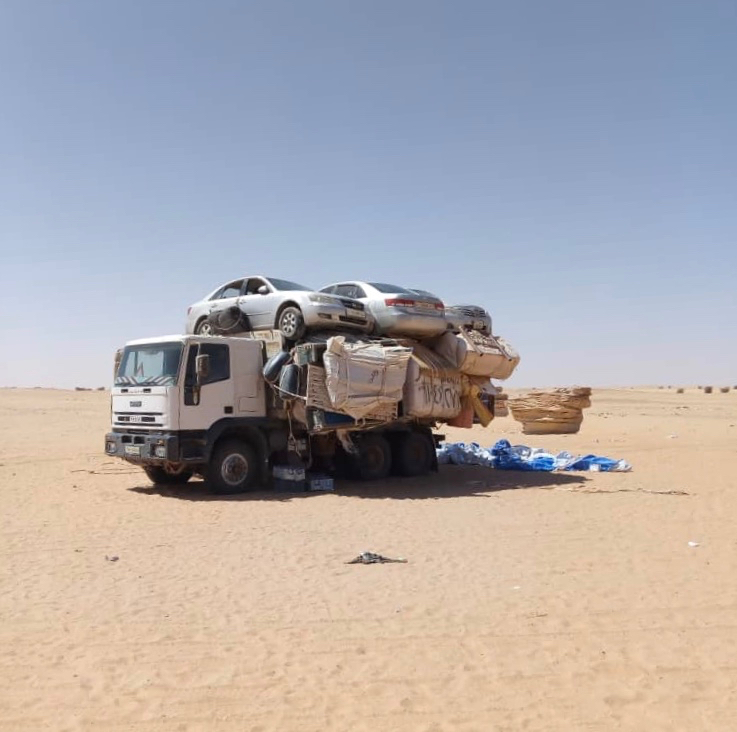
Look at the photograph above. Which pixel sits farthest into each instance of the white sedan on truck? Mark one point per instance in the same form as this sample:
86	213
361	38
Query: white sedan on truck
268	303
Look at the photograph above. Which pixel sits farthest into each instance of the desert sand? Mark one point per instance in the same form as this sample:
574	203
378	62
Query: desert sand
528	602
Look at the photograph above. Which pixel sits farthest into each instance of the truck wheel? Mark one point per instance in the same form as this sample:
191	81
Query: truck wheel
233	468
291	323
159	475
374	460
413	454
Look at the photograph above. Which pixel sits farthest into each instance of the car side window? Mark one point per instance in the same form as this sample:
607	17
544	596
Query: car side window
358	292
233	289
344	290
329	290
253	284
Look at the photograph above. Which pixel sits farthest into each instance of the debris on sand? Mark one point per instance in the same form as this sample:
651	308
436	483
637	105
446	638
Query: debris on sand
371	558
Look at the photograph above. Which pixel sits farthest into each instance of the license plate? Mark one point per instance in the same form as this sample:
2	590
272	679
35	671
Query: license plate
355	313
133	450
135	418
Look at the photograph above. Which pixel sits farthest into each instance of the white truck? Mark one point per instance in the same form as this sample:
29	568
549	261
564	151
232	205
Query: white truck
187	405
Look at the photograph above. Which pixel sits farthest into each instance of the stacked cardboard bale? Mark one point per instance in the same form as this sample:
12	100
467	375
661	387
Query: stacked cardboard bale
558	411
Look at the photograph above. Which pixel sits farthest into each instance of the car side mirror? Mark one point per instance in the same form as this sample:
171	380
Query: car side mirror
202	367
263	290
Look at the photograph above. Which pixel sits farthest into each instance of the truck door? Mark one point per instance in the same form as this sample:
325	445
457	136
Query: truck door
216	392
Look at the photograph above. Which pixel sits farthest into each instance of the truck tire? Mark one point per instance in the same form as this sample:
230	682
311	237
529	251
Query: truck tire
413	454
291	323
233	468
289	382
274	365
159	475
228	321
374	459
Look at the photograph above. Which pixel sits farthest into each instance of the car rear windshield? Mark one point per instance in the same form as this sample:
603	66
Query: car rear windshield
383	287
287	285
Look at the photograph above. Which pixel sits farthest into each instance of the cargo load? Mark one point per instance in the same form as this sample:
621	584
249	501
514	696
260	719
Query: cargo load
364	377
475	354
433	386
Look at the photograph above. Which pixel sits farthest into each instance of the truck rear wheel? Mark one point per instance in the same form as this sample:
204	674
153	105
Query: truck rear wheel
159	475
413	454
374	459
233	468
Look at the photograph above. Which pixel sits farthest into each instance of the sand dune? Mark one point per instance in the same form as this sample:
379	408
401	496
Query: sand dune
529	601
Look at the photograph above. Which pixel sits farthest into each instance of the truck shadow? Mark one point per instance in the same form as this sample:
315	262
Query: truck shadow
451	481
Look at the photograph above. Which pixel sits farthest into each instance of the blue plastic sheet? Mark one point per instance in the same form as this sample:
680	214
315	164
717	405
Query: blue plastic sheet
504	456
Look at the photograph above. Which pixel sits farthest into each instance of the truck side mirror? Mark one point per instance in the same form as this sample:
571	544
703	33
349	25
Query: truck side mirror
118	357
263	290
202	367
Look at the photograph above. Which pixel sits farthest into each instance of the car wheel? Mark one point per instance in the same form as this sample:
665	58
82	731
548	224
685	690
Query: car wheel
233	468
159	475
204	327
291	323
413	454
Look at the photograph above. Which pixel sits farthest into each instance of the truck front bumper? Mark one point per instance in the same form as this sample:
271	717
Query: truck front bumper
143	448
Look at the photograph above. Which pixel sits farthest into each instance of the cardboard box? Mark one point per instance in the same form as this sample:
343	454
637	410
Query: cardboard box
289	479
433	386
319	482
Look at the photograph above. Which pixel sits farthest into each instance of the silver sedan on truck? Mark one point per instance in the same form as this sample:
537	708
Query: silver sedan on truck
396	311
464	317
270	303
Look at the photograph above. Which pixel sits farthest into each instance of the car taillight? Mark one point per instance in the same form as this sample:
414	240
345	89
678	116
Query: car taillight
399	301
439	306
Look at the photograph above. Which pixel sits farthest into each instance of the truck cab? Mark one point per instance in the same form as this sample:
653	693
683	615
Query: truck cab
174	396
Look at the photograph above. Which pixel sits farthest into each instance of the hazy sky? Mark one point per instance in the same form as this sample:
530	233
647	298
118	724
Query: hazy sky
572	166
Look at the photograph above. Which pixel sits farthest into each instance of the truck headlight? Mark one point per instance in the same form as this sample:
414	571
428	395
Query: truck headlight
110	447
160	451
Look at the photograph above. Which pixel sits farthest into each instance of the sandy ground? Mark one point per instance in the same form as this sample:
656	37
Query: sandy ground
529	602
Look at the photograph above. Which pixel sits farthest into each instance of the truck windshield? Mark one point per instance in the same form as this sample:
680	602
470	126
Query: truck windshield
155	364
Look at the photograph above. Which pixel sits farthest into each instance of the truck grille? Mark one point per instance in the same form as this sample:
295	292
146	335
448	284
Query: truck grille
147	418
